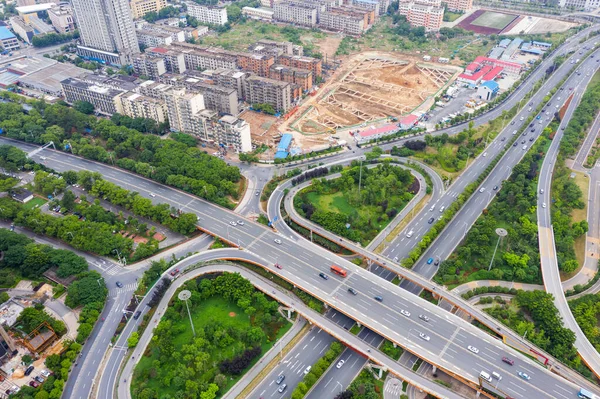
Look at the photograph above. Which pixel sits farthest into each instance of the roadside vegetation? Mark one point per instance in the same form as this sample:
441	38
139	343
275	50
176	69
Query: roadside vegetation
365	386
317	370
587	313
513	209
234	325
358	215
172	162
533	313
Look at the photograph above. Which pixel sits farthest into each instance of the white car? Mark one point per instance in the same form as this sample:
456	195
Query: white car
241	223
424	336
277	241
473	349
482	189
423	317
485	154
152	195
405	313
233	223
45	373
340	364
543	205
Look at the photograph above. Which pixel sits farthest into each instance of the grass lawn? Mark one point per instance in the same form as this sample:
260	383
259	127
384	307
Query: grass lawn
450	16
35	202
494	20
242	35
203	314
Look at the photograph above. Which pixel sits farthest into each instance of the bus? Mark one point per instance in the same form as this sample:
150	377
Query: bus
341	272
585	394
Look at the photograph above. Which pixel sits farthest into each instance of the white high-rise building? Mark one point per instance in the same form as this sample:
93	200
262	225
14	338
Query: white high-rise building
106	29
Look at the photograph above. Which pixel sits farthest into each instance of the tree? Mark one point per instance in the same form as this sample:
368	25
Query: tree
88	288
133	339
68	200
84	107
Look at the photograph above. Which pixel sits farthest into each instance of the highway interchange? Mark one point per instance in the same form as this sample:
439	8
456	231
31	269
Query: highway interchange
449	335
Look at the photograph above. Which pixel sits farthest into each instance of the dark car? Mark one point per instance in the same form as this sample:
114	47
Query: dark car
437	261
430	220
531	139
39	379
515	144
533	130
352	291
324	276
378	298
34	384
508	361
531	124
119	284
137	314
29	370
495	188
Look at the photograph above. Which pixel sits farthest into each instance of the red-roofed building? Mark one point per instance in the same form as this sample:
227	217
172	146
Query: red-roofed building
491	75
512	68
475	78
375	133
408	122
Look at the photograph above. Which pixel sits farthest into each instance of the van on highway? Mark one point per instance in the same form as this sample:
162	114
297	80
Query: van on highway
485	376
496	376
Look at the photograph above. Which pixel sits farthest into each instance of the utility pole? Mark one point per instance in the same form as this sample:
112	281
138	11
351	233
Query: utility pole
184	296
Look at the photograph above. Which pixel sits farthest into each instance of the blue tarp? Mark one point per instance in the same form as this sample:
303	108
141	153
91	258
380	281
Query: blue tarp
285	142
281	154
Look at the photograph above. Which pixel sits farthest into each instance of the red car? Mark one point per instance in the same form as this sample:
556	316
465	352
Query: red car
277	265
508	361
174	272
34	384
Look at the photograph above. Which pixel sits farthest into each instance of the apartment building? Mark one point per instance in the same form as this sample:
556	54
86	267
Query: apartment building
301	77
182	105
198	57
187	114
21	29
372	5
256	63
383	6
227	130
261	90
177	34
100	95
8	40
150	38
207	14
154	89
62	18
349	21
139	8
223	100
150	65
315	65
426	13
106	31
136	105
263	14
459	5
269	3
585	5
296	13
228	78
272	47
174	60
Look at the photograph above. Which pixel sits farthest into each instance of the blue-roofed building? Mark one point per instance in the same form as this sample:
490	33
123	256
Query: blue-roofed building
512	48
8	40
488	90
284	146
504	43
496	52
542	45
528	48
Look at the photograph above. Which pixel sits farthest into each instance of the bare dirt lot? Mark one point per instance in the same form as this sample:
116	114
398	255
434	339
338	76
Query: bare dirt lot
373	86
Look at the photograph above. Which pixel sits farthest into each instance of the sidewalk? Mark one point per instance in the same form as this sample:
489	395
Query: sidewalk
237	389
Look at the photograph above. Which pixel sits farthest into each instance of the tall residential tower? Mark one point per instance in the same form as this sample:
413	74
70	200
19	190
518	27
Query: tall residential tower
107	32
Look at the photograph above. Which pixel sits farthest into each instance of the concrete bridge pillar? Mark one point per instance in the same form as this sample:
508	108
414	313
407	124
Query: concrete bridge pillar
433	369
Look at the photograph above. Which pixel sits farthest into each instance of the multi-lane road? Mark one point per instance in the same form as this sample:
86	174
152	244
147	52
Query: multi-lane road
548	257
303	262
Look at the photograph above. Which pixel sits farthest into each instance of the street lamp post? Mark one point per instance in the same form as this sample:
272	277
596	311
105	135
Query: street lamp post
184	296
501	233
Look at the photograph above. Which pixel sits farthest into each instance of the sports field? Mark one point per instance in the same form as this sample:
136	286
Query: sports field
488	22
496	20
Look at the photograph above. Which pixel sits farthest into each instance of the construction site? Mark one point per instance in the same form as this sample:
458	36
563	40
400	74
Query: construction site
373	86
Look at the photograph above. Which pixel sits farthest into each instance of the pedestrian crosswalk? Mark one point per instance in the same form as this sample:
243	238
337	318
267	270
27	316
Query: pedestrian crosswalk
393	389
113	292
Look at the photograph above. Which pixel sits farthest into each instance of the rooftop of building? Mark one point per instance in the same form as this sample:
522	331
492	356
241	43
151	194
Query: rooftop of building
302	58
5	33
300	71
34	8
409	120
49	78
490	84
153	33
285	142
267	81
380	130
